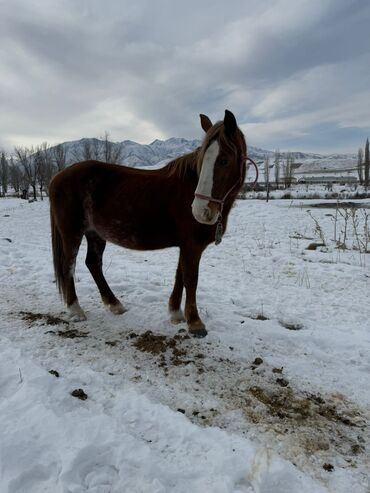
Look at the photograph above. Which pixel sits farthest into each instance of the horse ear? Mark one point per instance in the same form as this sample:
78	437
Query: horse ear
205	122
230	123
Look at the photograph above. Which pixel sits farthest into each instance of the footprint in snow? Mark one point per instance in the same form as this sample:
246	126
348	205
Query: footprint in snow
92	471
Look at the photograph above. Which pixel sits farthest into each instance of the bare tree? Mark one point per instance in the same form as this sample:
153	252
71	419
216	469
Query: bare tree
15	176
24	156
59	156
277	159
96	149
111	153
87	152
100	149
289	170
83	152
267	177
367	163
25	183
360	165
44	166
4	173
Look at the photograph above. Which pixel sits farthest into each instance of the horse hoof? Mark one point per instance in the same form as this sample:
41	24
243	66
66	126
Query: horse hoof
117	309
76	312
198	330
78	318
177	316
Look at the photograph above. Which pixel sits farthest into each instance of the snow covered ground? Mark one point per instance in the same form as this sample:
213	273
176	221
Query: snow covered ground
275	399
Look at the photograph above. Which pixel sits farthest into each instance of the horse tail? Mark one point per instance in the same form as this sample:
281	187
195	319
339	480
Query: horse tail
58	254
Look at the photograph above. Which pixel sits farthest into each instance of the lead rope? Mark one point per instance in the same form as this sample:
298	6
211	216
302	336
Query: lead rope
219	227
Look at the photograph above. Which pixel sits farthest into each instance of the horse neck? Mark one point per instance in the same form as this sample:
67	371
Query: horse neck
184	167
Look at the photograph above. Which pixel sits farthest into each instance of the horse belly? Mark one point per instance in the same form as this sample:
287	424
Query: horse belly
144	235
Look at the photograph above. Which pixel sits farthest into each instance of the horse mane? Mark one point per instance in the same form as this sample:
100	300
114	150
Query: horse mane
181	165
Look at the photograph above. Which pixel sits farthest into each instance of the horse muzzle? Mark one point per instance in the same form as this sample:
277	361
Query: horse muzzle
203	212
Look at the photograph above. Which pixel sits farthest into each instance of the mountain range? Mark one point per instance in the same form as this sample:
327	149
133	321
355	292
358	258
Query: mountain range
161	151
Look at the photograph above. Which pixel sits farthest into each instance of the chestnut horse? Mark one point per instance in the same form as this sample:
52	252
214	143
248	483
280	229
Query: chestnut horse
185	204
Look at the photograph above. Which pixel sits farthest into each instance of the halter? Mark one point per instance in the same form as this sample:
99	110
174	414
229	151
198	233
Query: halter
221	202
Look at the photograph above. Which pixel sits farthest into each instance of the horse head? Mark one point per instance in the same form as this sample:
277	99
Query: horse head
221	167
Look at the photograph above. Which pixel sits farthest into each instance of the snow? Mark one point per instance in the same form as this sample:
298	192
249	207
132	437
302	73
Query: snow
244	425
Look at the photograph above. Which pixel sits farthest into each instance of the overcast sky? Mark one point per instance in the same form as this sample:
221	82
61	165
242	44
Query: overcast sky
296	73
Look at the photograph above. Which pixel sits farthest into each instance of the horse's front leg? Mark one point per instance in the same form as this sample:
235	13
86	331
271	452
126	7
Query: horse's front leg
189	259
174	305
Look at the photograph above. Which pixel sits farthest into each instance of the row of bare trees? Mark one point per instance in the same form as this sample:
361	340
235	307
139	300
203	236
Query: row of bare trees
35	166
363	165
11	175
100	149
283	170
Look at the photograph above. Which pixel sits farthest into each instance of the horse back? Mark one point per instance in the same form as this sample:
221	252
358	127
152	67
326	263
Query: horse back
134	208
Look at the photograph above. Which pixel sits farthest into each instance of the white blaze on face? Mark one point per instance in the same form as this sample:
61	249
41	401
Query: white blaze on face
201	211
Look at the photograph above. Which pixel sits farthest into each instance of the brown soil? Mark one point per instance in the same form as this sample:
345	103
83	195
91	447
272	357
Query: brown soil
160	344
80	394
260	317
319	426
45	318
71	334
315	246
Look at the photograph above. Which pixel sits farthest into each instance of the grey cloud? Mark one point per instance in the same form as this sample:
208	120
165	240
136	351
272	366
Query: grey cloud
145	70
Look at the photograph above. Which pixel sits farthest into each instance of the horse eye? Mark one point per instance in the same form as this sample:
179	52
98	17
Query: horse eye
223	162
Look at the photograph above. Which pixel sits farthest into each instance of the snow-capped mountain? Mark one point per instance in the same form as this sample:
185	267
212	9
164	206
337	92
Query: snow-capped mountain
160	151
130	153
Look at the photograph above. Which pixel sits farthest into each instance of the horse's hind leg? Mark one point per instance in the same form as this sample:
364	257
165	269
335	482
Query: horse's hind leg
66	239
94	262
70	249
174	305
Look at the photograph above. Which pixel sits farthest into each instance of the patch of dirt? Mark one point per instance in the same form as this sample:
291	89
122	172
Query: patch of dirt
80	394
306	427
46	318
286	404
258	361
315	246
111	343
260	316
152	343
214	387
69	334
159	345
282	382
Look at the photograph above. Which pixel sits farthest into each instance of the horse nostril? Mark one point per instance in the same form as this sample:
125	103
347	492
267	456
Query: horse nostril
207	214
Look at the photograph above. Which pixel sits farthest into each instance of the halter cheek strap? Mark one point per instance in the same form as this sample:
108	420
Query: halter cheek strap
221	202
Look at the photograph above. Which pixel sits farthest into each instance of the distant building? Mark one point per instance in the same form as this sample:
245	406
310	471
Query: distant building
325	180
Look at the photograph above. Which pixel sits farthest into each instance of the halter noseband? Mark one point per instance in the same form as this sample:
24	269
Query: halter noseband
221	202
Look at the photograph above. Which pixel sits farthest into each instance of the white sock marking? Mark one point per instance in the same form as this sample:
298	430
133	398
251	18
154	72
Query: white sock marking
76	312
177	316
